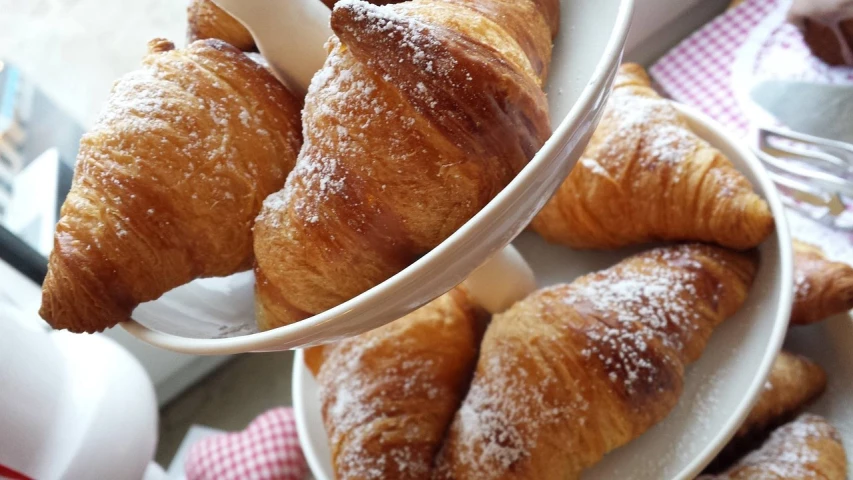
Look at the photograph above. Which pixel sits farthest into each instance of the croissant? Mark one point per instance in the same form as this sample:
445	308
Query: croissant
423	112
794	382
206	20
646	176
314	358
168	182
808	447
574	371
822	288
388	395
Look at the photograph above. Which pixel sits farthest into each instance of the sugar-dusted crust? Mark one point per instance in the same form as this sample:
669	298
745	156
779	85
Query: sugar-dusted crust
576	370
807	448
422	113
646	176
168	182
388	395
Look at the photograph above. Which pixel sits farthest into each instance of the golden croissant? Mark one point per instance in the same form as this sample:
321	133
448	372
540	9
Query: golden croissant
388	395
168	182
574	371
807	448
822	288
423	112
793	383
314	358
206	20
646	176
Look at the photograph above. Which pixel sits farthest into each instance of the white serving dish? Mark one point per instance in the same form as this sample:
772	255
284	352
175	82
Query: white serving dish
216	316
720	388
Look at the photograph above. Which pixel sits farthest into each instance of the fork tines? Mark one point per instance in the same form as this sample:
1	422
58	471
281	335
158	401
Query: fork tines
814	174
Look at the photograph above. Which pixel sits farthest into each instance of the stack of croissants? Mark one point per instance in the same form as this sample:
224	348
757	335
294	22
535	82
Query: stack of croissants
203	164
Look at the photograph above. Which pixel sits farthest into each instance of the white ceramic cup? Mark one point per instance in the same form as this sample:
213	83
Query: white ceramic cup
216	316
72	406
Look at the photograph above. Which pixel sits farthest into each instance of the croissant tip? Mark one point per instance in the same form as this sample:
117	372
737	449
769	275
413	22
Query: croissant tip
160	45
61	312
342	13
634	73
45	313
351	5
348	13
847	288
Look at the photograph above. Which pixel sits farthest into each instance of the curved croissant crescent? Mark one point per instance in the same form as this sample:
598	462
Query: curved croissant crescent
574	371
822	287
646	176
423	112
388	395
168	182
794	382
807	448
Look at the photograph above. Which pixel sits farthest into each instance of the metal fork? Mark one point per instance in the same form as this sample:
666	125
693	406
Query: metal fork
814	173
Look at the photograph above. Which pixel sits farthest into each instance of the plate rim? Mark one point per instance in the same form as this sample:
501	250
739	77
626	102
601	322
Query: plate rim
300	370
786	294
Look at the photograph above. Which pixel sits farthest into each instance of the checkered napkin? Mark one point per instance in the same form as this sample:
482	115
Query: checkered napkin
699	70
268	449
714	69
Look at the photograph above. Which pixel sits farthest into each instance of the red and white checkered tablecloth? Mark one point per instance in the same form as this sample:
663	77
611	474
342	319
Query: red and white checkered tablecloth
268	449
699	70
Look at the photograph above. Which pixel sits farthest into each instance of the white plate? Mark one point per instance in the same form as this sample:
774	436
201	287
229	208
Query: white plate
216	316
719	389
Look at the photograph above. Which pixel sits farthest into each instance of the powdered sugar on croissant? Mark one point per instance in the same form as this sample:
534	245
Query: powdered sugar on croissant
168	182
646	176
807	448
422	113
574	371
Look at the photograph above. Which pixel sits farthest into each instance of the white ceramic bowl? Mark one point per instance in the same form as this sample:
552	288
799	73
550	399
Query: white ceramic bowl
720	388
216	316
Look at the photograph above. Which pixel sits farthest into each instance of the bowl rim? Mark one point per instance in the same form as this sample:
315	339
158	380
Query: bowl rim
298	334
774	344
